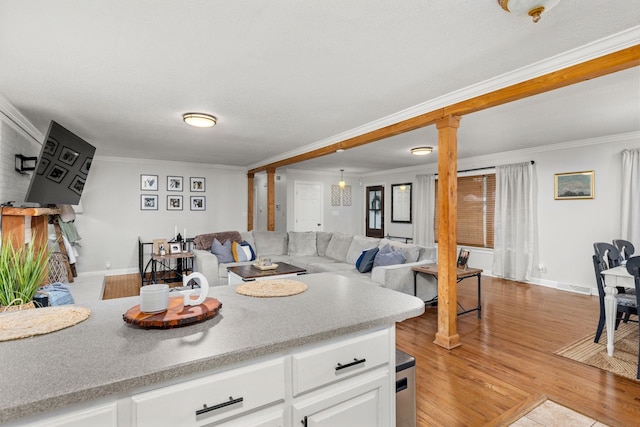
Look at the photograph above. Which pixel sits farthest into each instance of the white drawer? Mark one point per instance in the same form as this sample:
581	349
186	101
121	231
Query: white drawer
342	359
227	394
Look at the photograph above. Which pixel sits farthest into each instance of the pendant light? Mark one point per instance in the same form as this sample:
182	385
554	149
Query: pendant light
342	184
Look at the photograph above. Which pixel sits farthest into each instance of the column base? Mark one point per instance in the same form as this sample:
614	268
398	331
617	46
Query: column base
447	342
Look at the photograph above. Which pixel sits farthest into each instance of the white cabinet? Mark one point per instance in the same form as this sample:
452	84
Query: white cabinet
102	415
360	401
213	398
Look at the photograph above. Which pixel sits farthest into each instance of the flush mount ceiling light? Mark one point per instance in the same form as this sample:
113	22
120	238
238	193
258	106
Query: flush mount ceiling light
532	8
421	151
199	120
342	184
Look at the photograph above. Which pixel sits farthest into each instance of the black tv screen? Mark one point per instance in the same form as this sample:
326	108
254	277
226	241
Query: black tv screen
62	168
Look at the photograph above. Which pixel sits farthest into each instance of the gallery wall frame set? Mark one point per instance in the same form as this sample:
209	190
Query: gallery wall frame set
574	185
175	183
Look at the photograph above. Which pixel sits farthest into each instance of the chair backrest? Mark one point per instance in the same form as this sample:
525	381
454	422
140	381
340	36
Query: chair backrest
633	267
608	253
625	247
599	266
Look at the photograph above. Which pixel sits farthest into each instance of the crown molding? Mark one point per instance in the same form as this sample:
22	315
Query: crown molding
19	120
566	59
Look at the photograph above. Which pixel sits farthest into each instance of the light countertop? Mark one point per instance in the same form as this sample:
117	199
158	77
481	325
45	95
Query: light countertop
104	356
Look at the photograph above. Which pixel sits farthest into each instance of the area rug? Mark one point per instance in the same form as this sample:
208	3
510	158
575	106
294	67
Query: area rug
625	357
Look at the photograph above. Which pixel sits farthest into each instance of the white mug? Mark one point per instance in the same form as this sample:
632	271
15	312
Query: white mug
154	298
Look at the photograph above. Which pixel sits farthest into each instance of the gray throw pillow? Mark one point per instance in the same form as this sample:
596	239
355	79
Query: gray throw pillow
387	256
222	251
302	243
339	246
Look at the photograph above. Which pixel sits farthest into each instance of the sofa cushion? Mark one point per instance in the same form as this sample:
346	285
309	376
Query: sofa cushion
222	251
302	243
339	246
359	244
204	241
271	243
388	256
411	252
247	236
365	262
322	241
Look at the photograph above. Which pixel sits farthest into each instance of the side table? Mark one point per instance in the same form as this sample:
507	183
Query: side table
461	274
164	261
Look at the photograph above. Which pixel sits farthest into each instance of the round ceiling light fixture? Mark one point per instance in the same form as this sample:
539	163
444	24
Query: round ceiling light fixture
421	151
532	8
199	120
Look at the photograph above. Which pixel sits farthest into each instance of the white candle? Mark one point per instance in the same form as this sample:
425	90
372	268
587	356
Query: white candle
184	236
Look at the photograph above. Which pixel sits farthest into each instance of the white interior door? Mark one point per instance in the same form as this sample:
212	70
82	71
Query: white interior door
307	206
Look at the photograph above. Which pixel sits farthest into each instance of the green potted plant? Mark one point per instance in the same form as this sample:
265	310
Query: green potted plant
22	271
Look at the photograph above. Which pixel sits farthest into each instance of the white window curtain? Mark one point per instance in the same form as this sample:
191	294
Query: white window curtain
513	226
630	210
423	210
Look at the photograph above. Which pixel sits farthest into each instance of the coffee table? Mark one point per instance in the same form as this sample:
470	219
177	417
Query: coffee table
245	273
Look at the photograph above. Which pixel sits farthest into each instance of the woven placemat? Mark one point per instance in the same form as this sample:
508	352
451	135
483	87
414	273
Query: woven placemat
39	321
271	288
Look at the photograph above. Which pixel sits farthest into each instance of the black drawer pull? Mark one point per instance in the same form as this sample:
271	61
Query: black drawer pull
230	402
401	384
348	365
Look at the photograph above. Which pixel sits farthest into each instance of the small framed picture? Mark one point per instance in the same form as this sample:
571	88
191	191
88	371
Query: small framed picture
86	165
197	184
160	245
175	248
149	182
574	185
198	203
68	156
77	185
463	258
174	203
149	202
50	146
174	183
57	173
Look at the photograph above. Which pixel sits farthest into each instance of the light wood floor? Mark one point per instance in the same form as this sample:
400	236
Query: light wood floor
506	364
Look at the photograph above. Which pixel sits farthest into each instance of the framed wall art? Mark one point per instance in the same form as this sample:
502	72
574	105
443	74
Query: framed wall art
149	182
197	184
198	203
174	203
174	183
149	202
401	202
574	185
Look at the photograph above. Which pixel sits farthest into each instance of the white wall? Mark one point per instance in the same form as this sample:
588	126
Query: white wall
112	220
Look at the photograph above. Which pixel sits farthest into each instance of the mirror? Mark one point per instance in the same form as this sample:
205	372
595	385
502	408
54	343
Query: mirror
401	202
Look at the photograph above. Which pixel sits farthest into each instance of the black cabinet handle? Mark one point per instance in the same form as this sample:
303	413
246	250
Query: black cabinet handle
229	402
348	365
304	421
401	384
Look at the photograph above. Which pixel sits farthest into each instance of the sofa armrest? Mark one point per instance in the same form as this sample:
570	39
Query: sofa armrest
206	263
399	278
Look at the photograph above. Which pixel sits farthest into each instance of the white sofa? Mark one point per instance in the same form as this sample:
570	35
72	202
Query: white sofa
321	252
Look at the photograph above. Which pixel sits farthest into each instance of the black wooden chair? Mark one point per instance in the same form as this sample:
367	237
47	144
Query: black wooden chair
607	256
633	267
625	248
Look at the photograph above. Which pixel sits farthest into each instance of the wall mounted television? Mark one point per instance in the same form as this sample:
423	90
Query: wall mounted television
62	168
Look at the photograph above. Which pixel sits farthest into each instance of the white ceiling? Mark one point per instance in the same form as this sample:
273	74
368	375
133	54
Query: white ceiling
285	76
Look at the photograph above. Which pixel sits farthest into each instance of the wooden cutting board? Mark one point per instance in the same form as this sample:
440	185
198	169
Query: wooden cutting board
176	316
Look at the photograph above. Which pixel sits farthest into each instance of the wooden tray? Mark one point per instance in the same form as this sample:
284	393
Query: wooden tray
271	266
176	316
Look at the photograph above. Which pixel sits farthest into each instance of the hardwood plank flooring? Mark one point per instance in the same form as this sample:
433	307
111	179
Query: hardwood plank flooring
505	365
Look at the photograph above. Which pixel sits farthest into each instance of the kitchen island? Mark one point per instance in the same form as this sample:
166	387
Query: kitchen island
121	375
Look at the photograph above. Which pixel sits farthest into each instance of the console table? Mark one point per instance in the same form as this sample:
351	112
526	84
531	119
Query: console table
461	274
150	264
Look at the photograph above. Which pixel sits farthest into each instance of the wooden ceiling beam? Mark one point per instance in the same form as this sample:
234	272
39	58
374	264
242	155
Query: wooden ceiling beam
601	66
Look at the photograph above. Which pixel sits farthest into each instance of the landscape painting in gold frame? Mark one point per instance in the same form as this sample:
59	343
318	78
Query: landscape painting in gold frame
574	185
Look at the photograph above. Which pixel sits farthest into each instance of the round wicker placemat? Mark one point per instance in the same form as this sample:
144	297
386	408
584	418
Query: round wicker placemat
39	321
271	288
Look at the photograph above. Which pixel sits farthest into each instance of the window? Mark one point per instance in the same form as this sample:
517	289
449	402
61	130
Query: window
476	210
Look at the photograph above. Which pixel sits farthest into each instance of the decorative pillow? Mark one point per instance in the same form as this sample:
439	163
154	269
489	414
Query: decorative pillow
387	256
339	246
322	241
359	244
222	251
365	261
411	252
242	252
302	243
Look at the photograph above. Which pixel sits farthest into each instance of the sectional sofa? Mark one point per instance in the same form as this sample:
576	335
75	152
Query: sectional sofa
320	252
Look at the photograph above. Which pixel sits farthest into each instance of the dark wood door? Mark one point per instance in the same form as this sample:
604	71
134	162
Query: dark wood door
375	211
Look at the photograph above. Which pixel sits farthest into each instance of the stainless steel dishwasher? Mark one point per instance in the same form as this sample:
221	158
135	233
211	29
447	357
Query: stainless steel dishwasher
405	389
